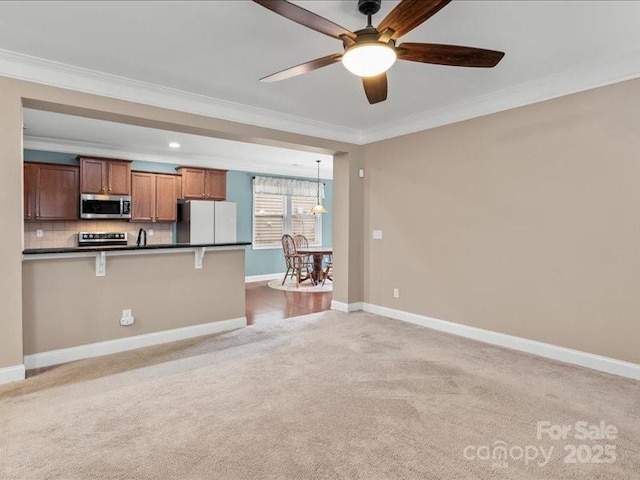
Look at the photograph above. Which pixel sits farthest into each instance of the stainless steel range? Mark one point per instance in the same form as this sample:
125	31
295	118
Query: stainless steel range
98	239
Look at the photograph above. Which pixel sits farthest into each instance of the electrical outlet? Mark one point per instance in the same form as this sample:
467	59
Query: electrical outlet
396	293
377	235
39	233
127	318
150	233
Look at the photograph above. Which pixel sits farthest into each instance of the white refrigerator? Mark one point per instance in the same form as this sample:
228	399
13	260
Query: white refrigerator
206	222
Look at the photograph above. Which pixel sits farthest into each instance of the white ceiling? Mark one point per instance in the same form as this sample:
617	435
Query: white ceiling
84	136
219	49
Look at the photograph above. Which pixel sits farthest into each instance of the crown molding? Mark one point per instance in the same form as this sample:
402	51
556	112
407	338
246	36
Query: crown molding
597	74
48	72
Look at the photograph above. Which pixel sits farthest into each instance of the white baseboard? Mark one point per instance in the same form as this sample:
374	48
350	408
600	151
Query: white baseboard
262	278
346	307
567	355
12	374
64	355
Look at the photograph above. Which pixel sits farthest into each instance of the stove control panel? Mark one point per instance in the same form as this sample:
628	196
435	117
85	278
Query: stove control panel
92	239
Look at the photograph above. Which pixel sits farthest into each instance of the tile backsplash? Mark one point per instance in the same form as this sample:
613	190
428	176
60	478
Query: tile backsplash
65	234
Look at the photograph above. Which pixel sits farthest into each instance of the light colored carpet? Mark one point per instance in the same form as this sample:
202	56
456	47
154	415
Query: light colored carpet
307	286
330	395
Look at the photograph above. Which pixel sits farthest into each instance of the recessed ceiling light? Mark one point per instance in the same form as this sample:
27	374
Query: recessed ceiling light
174	145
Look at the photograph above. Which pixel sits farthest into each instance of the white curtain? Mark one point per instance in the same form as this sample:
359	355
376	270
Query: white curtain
287	186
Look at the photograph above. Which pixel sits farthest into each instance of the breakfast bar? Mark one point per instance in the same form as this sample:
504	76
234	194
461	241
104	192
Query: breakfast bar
86	301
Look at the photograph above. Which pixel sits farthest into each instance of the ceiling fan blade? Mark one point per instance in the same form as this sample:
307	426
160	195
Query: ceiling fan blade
306	18
453	55
408	14
303	68
375	88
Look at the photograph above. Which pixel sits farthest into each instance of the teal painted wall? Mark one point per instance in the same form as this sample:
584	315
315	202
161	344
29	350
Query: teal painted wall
239	190
265	261
50	157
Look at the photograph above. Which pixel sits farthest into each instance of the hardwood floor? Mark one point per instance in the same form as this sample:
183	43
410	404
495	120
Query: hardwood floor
264	304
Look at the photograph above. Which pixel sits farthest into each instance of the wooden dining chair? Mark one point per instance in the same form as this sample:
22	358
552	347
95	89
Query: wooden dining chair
328	270
296	263
300	241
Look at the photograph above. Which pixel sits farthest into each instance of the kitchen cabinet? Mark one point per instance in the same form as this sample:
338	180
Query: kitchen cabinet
153	197
51	192
106	176
203	183
29	192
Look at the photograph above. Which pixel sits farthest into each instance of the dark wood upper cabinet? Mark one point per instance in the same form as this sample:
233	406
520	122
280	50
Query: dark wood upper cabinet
119	178
51	192
92	176
142	197
166	199
105	176
192	182
203	184
215	184
153	197
29	192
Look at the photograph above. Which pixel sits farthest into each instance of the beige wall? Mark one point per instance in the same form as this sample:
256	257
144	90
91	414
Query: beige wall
348	201
11	238
66	305
15	93
525	222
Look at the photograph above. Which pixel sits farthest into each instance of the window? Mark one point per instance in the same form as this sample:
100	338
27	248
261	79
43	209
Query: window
275	215
268	219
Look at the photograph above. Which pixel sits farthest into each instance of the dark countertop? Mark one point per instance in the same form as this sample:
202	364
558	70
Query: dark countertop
35	251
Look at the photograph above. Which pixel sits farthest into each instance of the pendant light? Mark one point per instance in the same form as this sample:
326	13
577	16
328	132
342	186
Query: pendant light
318	208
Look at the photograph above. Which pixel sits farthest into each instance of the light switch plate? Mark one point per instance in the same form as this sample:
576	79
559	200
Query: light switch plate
377	234
39	233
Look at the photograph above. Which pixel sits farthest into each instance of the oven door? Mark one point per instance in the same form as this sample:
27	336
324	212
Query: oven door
104	206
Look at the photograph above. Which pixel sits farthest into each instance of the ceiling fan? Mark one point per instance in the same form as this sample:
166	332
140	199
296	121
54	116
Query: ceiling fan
370	52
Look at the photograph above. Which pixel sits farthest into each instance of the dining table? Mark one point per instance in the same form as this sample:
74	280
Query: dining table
318	254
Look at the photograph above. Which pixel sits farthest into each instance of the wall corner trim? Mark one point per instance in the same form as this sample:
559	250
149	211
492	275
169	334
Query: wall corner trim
554	352
346	307
14	373
63	355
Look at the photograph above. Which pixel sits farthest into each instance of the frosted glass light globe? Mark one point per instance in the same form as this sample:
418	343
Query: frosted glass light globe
369	59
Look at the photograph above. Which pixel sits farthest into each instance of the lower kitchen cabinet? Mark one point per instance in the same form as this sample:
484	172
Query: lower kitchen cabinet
153	197
51	192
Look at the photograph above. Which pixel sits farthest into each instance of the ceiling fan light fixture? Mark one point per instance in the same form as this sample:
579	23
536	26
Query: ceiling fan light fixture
369	59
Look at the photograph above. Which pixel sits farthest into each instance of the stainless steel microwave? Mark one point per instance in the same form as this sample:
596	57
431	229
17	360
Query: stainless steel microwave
105	206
